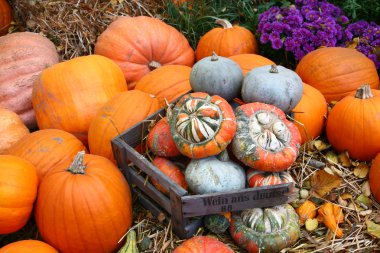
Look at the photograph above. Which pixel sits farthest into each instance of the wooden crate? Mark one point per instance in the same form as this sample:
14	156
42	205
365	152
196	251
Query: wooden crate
185	210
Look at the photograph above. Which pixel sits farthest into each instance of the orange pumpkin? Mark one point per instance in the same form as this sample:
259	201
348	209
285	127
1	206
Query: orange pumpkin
160	140
374	175
226	41
68	95
353	124
5	17
18	191
203	244
247	62
337	71
168	82
116	116
84	206
172	171
28	246
12	129
141	44
23	55
310	113
47	148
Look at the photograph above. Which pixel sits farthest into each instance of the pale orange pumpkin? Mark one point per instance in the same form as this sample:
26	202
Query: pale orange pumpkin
23	56
310	113
84	205
116	116
18	191
226	41
47	148
167	82
28	246
68	95
5	17
12	129
247	62
337	71
141	44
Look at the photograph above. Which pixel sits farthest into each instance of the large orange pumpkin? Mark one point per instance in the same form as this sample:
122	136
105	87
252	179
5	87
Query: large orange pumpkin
353	124
28	246
337	71
18	191
374	175
84	206
203	244
247	62
68	95
5	17
46	148
141	44
226	41
116	116
310	113
12	129
23	56
168	82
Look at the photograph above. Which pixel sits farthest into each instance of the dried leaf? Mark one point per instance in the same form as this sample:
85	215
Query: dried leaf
323	182
376	219
344	159
364	201
311	224
346	196
320	145
373	228
354	43
366	189
332	157
361	171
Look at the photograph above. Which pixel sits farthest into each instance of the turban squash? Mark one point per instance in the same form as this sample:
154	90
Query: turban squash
257	178
265	140
202	125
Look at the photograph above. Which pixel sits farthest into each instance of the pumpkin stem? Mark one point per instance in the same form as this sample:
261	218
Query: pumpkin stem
223	22
77	166
364	92
273	69
214	56
154	65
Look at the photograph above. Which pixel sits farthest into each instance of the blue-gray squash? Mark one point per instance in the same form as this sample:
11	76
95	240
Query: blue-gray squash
217	75
273	85
214	174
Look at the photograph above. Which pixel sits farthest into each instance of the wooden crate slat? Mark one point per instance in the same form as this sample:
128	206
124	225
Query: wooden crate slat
148	203
267	196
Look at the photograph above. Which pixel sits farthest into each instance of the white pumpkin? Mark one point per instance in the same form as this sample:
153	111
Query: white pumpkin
214	174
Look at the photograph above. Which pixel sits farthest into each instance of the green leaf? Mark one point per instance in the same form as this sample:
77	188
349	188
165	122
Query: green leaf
373	228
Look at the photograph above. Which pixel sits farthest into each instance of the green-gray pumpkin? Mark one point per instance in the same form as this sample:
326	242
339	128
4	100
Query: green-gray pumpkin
274	85
266	230
217	75
216	223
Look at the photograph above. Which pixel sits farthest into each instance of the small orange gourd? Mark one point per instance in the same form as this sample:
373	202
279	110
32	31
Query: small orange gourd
308	210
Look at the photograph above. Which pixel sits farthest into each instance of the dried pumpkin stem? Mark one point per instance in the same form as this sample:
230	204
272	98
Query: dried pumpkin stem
223	22
77	166
214	56
154	65
364	92
273	69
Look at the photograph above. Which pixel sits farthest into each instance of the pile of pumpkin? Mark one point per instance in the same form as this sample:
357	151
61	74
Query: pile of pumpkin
81	202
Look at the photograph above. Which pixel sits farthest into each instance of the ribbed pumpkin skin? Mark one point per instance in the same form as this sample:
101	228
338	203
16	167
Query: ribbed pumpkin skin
353	126
23	56
81	213
46	148
68	95
28	246
12	129
18	191
311	111
374	175
135	42
5	17
116	116
226	41
167	82
337	71
257	178
247	62
203	244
